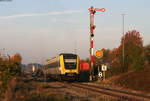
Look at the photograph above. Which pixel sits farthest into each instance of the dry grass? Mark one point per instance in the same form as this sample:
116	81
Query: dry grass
133	80
136	80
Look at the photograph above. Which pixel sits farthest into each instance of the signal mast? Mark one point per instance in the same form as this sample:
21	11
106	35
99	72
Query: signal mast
92	11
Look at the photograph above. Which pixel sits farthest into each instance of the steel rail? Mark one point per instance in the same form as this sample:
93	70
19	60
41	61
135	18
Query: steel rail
108	91
120	91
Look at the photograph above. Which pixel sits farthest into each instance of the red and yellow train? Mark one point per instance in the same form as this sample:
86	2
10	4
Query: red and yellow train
66	66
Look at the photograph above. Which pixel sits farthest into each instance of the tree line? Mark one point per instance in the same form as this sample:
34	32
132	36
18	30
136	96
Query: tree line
131	54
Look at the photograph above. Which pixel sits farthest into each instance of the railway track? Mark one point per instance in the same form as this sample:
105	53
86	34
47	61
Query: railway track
120	94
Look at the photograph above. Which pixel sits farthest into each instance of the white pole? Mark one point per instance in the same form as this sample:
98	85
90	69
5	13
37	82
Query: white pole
104	75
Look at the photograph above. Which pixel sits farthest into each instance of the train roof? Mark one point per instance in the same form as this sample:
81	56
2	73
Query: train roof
50	60
67	54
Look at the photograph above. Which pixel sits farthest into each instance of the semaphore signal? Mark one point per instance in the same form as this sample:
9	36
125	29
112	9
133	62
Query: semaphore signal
92	11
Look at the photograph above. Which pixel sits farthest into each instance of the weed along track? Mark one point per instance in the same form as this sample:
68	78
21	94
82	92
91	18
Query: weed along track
120	94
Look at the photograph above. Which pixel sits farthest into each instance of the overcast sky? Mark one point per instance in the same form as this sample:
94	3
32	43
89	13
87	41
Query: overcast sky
41	29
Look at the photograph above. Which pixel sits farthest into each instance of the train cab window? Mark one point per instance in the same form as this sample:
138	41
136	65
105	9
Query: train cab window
70	61
70	65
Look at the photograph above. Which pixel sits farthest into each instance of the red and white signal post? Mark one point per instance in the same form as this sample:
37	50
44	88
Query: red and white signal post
92	28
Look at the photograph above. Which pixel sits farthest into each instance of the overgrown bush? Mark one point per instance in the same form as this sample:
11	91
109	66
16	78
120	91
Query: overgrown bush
8	70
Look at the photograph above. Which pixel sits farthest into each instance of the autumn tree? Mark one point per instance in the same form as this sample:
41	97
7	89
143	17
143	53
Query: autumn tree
16	58
133	49
114	61
105	56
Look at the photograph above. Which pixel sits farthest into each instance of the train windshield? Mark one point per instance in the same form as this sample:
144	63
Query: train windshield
70	61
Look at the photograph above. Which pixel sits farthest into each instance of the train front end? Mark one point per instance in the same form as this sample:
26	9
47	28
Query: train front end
70	66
